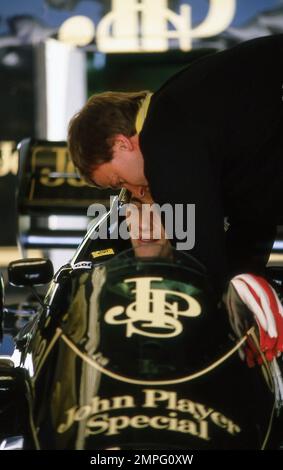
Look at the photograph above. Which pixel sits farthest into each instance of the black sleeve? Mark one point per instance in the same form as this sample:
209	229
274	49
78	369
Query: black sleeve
181	169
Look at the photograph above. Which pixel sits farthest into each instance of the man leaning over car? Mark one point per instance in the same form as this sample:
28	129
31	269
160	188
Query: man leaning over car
210	136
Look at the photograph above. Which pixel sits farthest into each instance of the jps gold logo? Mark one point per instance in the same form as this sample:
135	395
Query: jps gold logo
154	312
147	26
55	167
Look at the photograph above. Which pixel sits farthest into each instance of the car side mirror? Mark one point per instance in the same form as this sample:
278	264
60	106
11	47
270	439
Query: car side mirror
30	272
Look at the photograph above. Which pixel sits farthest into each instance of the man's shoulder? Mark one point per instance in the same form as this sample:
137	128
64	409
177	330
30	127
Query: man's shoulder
212	66
195	59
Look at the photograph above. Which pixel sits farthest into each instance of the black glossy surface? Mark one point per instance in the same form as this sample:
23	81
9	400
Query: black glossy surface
133	353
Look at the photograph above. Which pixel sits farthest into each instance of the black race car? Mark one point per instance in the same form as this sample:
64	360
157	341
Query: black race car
130	352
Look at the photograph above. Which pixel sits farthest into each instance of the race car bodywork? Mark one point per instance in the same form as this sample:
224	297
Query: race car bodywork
132	353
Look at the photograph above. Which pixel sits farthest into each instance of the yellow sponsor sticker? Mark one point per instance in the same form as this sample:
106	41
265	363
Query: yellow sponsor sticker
108	251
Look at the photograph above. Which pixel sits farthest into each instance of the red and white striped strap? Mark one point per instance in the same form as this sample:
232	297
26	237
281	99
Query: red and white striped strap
247	292
262	301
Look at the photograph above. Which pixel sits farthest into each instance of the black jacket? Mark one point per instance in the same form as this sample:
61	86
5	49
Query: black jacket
213	137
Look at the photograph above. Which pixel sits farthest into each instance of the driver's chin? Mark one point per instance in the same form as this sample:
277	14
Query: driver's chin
147	248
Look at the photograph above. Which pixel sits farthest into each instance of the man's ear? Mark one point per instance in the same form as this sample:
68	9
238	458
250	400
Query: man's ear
122	142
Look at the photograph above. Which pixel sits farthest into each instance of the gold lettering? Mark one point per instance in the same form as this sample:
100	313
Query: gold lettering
116	424
74	182
202	412
58	161
82	413
60	166
203	430
70	419
187	426
97	424
98	405
187	406
125	401
140	421
156	422
172	401
122	30
233	428
154	396
219	419
151	314
173	422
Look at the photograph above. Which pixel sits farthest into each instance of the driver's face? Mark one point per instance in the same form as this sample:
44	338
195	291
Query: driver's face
147	233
